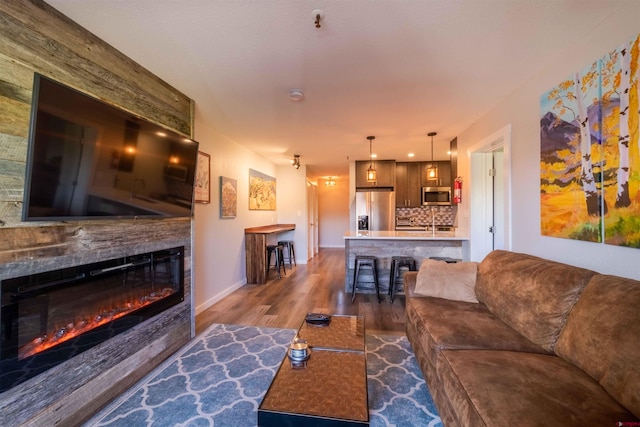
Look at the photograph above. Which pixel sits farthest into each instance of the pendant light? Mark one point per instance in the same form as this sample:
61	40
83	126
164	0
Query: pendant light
372	175
432	169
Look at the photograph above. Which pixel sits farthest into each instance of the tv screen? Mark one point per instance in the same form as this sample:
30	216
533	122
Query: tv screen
89	160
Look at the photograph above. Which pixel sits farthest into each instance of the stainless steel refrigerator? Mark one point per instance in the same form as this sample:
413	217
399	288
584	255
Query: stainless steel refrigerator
375	210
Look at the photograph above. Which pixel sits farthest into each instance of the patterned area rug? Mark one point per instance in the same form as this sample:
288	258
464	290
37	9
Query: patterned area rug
219	379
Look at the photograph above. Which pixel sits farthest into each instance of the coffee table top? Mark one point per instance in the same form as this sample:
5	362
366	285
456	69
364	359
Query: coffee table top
342	333
330	386
333	384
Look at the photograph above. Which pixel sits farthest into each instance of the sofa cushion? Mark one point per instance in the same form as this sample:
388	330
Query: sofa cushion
445	410
530	294
454	281
503	388
602	337
446	324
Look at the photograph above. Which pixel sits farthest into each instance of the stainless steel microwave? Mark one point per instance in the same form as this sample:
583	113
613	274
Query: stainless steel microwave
436	196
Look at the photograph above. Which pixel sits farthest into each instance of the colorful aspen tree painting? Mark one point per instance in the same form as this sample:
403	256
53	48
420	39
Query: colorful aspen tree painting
589	152
620	141
570	158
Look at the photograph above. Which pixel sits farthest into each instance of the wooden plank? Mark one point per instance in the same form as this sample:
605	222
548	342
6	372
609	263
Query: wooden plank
255	246
270	229
255	257
36	38
27	250
15	117
13	148
52	24
42	39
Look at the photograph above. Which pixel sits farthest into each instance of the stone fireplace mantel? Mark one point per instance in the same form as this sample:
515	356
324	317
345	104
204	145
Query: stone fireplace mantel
71	392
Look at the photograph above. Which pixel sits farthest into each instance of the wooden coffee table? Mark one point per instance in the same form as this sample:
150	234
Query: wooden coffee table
330	388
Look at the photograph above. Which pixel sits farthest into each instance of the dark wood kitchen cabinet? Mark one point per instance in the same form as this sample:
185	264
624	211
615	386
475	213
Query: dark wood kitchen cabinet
444	174
408	184
385	171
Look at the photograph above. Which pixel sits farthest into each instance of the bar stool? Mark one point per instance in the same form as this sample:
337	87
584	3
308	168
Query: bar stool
398	262
278	252
369	262
291	253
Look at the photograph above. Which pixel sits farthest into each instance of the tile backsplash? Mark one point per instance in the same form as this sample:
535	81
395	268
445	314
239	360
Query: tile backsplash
445	215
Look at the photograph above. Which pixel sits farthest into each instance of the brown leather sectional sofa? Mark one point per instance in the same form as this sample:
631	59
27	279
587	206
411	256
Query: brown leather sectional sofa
549	344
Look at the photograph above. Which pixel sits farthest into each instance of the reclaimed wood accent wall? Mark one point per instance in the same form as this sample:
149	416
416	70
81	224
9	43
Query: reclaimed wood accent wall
34	37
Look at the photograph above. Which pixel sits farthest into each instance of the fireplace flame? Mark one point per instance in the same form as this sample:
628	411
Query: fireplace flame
73	329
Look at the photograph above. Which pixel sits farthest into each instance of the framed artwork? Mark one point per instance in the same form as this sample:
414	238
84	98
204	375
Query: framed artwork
262	191
590	152
228	197
202	178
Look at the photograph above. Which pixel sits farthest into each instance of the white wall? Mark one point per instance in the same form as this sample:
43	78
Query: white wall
218	249
333	213
292	208
521	110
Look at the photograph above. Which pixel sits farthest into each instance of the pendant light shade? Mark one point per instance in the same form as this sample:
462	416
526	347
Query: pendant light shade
372	175
432	169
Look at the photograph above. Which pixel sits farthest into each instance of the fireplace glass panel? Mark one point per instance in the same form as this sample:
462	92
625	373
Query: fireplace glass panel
50	317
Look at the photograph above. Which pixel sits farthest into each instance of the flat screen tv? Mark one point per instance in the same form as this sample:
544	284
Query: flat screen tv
89	160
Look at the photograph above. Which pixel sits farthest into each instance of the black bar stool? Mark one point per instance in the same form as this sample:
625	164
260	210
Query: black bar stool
278	252
369	262
291	253
398	262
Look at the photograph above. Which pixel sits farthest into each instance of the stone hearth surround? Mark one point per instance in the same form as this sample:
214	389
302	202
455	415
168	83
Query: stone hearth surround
69	393
38	38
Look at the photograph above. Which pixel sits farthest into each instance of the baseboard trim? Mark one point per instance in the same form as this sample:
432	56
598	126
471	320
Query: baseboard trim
214	299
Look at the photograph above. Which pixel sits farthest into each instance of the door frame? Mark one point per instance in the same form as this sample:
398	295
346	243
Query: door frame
312	220
481	202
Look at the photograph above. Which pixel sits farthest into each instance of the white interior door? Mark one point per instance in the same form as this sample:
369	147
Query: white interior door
490	210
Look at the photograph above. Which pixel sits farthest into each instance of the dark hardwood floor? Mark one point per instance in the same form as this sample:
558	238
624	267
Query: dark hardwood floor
318	287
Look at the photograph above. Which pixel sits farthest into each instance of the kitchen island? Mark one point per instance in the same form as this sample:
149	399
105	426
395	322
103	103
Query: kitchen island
386	244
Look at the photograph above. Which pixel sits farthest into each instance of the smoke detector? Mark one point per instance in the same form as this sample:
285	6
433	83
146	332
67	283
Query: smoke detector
296	95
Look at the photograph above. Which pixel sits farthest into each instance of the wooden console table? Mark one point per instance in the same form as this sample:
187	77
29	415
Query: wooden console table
255	248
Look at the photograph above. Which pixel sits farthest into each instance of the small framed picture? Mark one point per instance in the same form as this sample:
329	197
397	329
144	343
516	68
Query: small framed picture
202	179
262	191
228	197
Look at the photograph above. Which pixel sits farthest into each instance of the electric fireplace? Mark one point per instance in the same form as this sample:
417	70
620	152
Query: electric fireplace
49	317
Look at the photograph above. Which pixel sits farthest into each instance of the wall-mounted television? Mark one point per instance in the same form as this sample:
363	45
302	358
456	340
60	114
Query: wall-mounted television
89	160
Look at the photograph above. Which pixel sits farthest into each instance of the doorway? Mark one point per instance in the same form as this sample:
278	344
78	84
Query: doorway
312	220
490	194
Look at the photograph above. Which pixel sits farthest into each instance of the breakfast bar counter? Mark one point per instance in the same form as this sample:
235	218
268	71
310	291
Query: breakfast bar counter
386	244
255	244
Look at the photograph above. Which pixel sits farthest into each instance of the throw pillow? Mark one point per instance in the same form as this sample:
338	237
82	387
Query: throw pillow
455	281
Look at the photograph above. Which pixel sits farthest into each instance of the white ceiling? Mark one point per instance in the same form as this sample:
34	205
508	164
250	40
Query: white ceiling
396	69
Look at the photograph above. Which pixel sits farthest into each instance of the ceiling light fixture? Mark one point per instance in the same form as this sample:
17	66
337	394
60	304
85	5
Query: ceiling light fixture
330	182
372	175
432	169
295	162
296	95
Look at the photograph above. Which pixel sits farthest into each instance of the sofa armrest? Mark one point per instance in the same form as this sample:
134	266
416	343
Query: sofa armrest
410	279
